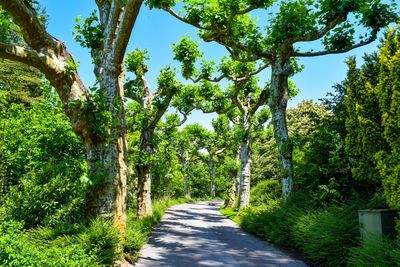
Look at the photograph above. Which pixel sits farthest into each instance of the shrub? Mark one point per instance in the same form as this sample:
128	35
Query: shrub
265	191
382	253
325	236
18	249
273	223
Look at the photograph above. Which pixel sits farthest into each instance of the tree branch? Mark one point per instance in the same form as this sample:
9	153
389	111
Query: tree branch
251	74
30	57
339	18
112	24
161	110
236	57
32	29
104	10
173	13
262	99
338	51
128	19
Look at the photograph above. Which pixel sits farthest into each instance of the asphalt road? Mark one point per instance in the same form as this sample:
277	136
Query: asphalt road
196	234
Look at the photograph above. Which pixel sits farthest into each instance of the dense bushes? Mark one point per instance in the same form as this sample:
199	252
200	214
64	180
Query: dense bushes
325	236
265	191
42	171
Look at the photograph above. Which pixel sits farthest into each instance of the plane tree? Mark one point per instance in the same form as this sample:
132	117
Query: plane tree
97	117
242	99
331	26
151	105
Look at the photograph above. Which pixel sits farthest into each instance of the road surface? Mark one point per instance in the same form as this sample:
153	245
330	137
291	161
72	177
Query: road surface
196	234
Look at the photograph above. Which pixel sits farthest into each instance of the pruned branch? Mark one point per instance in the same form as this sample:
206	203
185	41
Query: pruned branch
251	74
127	22
236	57
104	10
339	18
371	39
262	99
32	29
32	58
183	19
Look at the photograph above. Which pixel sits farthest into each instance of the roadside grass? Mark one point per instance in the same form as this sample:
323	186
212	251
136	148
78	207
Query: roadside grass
325	236
93	243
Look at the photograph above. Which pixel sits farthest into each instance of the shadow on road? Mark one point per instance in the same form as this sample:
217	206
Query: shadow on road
197	234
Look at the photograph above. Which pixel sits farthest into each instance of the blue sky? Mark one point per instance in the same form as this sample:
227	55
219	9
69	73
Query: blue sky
156	31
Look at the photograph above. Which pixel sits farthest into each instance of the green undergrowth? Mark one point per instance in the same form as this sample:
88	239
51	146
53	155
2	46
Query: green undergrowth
327	235
94	243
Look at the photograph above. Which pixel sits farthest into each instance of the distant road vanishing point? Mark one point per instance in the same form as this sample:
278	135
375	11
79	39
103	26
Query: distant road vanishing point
196	234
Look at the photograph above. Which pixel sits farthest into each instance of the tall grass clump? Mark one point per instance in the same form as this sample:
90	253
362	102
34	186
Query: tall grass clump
376	252
326	236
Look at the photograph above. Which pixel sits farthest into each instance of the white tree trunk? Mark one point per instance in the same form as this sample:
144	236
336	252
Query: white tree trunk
278	104
212	176
186	187
245	158
232	190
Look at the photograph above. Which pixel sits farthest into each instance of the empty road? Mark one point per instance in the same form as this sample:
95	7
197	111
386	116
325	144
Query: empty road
196	234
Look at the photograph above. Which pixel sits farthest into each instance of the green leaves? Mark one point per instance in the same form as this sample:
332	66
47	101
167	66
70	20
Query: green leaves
135	61
89	33
187	52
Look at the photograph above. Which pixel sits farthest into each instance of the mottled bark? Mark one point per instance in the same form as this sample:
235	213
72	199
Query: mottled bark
212	176
245	159
186	187
232	190
144	175
144	191
108	158
245	174
278	103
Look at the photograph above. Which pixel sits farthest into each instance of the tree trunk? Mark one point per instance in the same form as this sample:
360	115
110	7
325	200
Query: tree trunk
144	175
231	196
144	191
107	160
186	187
246	162
278	103
245	174
212	176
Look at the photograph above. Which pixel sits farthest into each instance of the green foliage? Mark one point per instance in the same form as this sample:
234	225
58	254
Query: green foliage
187	52
19	83
388	90
17	248
385	253
42	168
265	191
89	33
135	61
